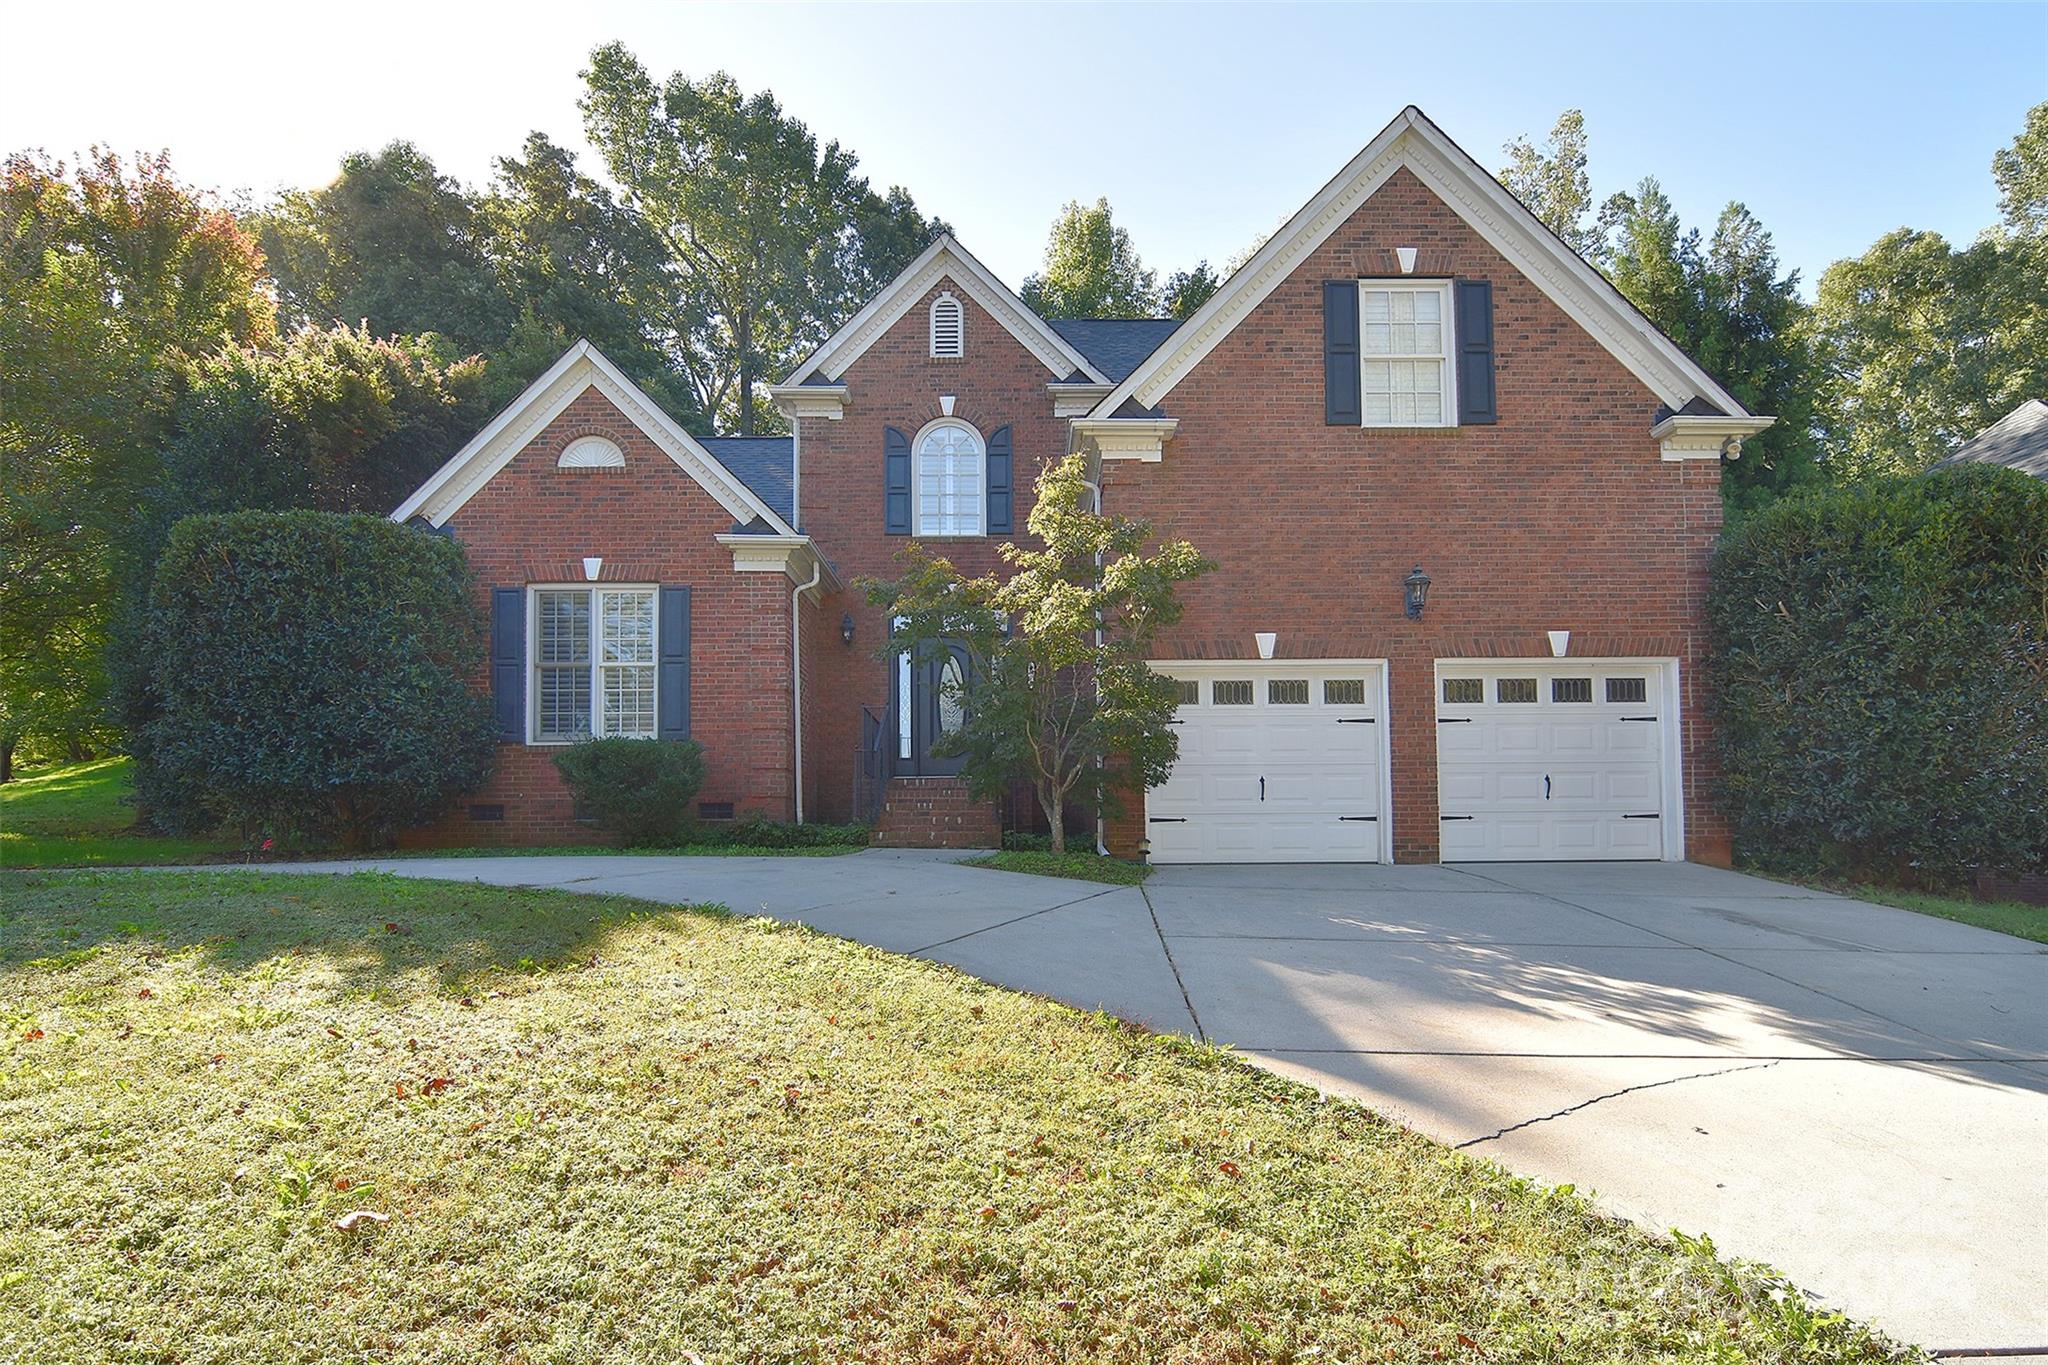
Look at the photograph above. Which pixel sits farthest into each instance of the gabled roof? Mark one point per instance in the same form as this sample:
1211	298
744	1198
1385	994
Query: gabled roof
582	367
2018	440
1411	140
1116	346
944	259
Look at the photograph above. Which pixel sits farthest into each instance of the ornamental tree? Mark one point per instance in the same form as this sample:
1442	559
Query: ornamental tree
1058	692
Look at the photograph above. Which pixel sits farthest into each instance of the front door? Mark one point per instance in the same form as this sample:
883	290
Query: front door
930	704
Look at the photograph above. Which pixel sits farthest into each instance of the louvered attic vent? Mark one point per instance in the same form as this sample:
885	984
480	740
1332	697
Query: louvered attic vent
948	327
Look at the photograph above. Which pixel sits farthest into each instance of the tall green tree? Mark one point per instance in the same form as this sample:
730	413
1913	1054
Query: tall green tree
390	244
1059	693
771	238
1552	181
1187	290
1091	269
1925	344
575	263
113	279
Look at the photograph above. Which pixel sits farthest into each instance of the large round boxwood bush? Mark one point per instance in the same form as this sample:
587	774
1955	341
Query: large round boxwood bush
639	789
1881	666
309	676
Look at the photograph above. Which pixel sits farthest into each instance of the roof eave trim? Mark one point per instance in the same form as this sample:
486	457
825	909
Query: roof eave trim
1683	437
1129	438
793	556
486	454
944	258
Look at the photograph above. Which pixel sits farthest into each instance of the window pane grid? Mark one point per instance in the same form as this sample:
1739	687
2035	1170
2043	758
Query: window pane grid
949	483
594	663
1405	356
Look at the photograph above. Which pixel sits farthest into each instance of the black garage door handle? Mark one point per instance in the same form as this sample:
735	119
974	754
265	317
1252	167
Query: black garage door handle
1166	820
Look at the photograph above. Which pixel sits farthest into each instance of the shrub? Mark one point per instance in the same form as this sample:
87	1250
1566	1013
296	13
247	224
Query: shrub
639	789
1881	662
307	675
775	834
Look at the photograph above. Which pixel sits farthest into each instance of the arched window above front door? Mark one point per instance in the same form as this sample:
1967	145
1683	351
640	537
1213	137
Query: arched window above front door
951	480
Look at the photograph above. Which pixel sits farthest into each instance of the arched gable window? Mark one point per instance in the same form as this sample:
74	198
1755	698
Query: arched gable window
591	452
951	479
949	330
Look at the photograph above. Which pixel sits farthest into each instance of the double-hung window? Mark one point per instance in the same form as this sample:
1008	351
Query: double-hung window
593	663
1405	353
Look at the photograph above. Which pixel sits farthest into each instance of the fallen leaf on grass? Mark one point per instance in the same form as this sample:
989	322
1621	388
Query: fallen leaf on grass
145	994
355	1218
1228	1168
32	1034
435	1086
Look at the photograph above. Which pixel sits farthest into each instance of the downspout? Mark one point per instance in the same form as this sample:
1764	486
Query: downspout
1101	845
796	676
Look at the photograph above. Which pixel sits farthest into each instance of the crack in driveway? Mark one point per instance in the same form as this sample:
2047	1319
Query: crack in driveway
1610	1095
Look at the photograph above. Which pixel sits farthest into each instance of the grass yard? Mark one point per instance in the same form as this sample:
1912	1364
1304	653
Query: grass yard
600	1128
80	815
1081	866
2007	917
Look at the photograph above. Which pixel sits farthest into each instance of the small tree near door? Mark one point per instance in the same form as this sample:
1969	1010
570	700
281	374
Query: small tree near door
1059	692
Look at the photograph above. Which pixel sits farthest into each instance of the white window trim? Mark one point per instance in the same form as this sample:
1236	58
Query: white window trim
1444	287
946	298
592	590
917	530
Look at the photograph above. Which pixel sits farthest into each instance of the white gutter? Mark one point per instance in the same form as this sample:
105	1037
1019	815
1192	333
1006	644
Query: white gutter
796	678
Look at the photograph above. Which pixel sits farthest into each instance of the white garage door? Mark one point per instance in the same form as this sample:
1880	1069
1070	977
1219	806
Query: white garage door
1551	761
1280	762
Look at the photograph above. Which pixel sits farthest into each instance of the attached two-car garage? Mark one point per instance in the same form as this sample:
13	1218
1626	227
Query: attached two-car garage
1289	761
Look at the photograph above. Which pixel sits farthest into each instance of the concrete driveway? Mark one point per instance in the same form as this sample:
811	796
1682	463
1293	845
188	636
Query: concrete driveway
1855	1094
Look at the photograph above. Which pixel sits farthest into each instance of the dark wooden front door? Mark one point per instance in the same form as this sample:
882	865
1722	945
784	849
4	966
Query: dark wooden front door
932	707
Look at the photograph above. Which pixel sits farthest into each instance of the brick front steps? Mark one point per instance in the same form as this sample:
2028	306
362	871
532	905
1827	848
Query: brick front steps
935	812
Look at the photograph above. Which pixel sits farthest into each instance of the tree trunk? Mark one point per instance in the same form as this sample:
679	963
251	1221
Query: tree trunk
1056	814
74	749
6	760
745	332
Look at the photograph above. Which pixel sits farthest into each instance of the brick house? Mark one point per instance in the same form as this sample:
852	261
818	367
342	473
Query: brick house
1411	380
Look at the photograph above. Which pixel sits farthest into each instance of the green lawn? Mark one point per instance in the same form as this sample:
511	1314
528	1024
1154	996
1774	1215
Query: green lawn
2007	917
1081	866
602	1129
80	815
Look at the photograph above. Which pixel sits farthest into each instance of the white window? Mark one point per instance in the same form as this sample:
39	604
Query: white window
594	663
948	327
951	469
1404	338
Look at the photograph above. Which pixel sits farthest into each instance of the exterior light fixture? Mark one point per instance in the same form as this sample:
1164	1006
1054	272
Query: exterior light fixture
846	629
1417	585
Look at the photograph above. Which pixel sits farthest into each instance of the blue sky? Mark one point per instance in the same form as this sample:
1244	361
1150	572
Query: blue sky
1203	125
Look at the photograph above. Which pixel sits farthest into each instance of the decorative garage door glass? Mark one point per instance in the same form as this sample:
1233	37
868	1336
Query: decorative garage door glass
1279	762
1549	761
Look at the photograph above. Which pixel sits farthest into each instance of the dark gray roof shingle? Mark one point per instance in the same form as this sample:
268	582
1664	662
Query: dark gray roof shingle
1115	346
762	463
2018	440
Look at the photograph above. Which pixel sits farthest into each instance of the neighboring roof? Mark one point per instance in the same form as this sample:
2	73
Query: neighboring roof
581	367
944	259
762	462
1413	142
1115	346
2018	440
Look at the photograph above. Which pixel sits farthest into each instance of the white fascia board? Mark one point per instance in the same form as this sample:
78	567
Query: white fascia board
1682	436
792	556
1129	438
1076	400
944	259
1411	140
581	367
809	400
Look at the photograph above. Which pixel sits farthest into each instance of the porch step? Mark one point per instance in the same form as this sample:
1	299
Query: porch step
935	812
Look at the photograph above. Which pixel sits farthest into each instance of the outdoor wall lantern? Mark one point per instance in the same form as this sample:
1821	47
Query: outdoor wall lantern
846	629
1417	584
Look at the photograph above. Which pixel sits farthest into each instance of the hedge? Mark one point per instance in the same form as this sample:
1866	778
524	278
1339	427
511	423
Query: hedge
308	675
639	789
1880	655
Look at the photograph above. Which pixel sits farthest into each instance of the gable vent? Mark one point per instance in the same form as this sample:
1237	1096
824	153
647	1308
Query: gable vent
948	327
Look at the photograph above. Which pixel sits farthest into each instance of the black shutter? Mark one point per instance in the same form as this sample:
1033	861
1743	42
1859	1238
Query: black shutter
672	685
1475	353
896	482
508	663
1340	354
1000	498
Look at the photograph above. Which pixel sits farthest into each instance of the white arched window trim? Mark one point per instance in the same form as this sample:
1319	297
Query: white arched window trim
949	327
949	480
591	452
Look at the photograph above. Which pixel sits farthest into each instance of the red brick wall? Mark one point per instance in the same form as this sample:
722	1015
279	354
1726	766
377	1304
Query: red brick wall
652	523
1561	516
897	383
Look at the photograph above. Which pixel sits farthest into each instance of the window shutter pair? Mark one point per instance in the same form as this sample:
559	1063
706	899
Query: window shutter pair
508	663
1342	402
998	483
